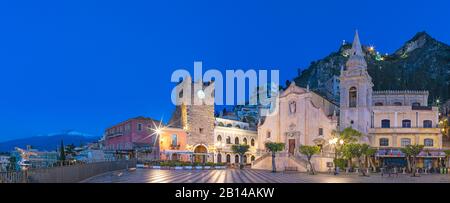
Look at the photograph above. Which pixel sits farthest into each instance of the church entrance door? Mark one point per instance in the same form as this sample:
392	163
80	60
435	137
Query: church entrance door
291	146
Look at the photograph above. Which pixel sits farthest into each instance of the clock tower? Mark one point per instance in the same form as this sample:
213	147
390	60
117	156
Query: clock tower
195	111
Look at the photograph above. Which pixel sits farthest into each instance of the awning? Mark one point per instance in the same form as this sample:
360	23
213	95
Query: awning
432	154
390	153
398	153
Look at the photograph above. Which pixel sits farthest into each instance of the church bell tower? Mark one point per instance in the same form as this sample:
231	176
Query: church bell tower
355	91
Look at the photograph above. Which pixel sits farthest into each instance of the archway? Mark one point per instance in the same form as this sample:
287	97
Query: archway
219	158
200	154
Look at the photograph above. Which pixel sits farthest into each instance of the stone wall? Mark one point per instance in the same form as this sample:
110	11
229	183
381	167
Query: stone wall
76	173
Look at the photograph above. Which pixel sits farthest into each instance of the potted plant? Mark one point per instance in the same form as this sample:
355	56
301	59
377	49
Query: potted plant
198	166
178	166
165	165
208	165
187	166
156	165
220	166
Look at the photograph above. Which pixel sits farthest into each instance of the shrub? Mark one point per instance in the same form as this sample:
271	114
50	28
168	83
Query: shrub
340	163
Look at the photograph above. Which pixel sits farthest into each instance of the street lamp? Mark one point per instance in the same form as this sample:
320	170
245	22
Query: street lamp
334	142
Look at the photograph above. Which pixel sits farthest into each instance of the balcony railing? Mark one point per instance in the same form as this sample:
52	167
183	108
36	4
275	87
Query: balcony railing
175	147
404	130
117	134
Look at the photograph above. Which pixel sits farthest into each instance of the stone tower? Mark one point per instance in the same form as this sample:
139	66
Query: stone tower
195	111
355	91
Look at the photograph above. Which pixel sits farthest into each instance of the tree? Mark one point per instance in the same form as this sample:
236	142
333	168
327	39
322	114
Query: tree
309	152
12	164
360	152
241	150
411	152
350	151
369	157
62	153
274	147
349	136
447	155
70	150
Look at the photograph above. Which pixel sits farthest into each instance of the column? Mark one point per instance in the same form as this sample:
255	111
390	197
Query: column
395	120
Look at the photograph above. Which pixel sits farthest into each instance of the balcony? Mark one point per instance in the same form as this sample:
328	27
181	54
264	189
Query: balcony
175	147
117	134
400	130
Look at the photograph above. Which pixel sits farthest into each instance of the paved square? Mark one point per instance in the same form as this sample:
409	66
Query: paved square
252	176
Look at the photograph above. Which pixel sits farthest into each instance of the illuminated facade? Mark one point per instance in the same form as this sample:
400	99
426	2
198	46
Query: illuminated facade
390	119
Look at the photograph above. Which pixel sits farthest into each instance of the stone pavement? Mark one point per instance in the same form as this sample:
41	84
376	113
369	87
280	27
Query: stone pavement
251	176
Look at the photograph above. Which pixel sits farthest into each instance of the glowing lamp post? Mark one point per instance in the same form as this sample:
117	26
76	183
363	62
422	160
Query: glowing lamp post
334	142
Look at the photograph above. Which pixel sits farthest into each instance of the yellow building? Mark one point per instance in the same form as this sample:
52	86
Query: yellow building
398	120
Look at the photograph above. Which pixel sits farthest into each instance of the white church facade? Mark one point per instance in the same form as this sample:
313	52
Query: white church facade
389	120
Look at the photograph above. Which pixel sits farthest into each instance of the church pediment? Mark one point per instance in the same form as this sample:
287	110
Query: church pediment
293	89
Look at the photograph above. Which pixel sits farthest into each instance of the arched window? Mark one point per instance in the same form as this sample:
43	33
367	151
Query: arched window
244	159
236	159
244	141
385	123
268	134
252	142
236	140
406	123
384	142
397	103
219	158
219	138
427	124
252	158
405	142
416	104
379	104
228	140
174	140
428	142
221	124
228	158
352	97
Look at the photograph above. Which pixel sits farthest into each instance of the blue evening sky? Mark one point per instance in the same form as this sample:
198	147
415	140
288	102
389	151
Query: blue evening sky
86	64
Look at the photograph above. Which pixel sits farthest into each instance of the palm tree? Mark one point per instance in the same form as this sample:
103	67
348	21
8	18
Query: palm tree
309	152
241	150
411	152
274	147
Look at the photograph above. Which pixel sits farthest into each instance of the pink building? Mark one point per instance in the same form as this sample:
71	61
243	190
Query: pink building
133	138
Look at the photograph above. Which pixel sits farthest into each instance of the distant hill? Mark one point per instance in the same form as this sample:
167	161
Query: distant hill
48	142
422	63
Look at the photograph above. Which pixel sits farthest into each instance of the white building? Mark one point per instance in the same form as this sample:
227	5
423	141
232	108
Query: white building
4	162
303	118
230	132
